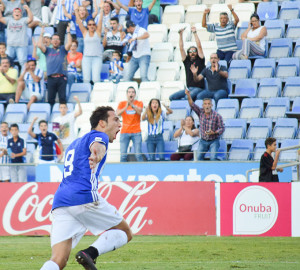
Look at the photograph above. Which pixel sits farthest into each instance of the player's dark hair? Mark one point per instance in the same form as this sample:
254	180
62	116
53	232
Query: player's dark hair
269	141
100	113
14	125
43	121
63	103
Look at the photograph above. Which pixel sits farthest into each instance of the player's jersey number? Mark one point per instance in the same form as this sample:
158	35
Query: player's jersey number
69	163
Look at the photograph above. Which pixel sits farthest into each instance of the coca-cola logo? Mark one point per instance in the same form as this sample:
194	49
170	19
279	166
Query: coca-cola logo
32	210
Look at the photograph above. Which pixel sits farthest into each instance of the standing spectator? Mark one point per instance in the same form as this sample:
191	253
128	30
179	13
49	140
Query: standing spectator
4	55
155	117
268	166
4	158
141	52
211	127
112	38
56	66
116	68
194	57
49	12
225	35
138	14
66	123
9	7
188	136
17	147
254	40
216	76
154	16
32	81
46	141
74	59
84	17
92	54
8	81
130	110
17	39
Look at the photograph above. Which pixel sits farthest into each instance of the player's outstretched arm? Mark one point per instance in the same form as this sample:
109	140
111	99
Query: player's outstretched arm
97	153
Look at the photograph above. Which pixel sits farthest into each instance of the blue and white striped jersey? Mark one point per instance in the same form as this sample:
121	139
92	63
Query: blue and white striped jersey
32	86
3	144
69	7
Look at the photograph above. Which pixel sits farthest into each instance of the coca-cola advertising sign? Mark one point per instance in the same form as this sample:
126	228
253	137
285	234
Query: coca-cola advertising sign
159	208
256	209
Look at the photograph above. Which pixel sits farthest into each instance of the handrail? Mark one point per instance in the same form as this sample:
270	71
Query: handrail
290	164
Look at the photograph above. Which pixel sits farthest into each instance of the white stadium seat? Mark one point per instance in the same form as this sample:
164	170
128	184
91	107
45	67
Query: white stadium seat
203	34
173	14
168	71
173	36
194	13
216	9
122	88
162	52
158	33
169	88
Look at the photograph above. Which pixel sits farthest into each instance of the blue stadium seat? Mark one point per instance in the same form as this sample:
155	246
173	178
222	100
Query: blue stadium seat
37	31
239	69
295	113
169	2
104	72
267	10
222	151
170	147
259	149
81	90
287	67
228	108
40	110
293	30
29	34
245	88
269	87
56	112
289	10
263	68
277	107
285	128
241	29
296	52
280	48
260	128
1	111
168	130
241	150
275	29
180	110
234	129
292	88
251	108
289	155
15	113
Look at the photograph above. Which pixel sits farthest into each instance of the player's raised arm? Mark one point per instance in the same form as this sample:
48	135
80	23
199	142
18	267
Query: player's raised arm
97	153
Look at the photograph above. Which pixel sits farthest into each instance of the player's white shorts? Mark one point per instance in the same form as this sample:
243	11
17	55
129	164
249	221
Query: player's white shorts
73	221
27	94
4	173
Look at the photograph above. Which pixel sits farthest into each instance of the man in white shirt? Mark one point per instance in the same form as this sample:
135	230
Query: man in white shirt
4	158
66	122
140	52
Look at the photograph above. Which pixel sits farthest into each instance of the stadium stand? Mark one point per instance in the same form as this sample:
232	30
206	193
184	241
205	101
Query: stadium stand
267	10
269	87
234	129
285	128
260	128
241	150
251	108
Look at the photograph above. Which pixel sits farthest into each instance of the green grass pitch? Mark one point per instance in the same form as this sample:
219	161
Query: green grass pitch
164	252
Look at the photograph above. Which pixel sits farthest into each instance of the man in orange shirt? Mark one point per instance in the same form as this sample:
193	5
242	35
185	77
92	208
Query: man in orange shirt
130	110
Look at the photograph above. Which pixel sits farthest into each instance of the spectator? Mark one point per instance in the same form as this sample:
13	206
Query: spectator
4	158
32	81
2	26
4	55
66	123
8	81
112	39
46	142
130	110
188	136
154	16
216	76
84	17
155	117
211	127
16	146
9	7
139	42
17	39
92	54
268	166
254	40
194	57
56	66
116	68
49	12
39	55
138	14
74	59
225	35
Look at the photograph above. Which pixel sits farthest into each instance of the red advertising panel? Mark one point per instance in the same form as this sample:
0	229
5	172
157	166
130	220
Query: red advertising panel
262	209
159	208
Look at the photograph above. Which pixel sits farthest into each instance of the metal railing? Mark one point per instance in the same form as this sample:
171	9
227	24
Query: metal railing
290	164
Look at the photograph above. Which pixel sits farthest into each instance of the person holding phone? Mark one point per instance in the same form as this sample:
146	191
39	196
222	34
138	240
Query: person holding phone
254	39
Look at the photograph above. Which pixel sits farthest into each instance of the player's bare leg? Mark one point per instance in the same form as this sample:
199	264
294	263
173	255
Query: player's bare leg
110	240
60	256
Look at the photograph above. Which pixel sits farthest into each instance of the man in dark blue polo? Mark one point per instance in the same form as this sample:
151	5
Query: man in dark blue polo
46	141
16	149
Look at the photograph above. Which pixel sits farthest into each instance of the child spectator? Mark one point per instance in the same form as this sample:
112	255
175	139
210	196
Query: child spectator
4	159
46	141
16	147
116	68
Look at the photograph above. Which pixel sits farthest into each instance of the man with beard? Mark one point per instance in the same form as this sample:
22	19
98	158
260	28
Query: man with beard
216	76
194	57
130	110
